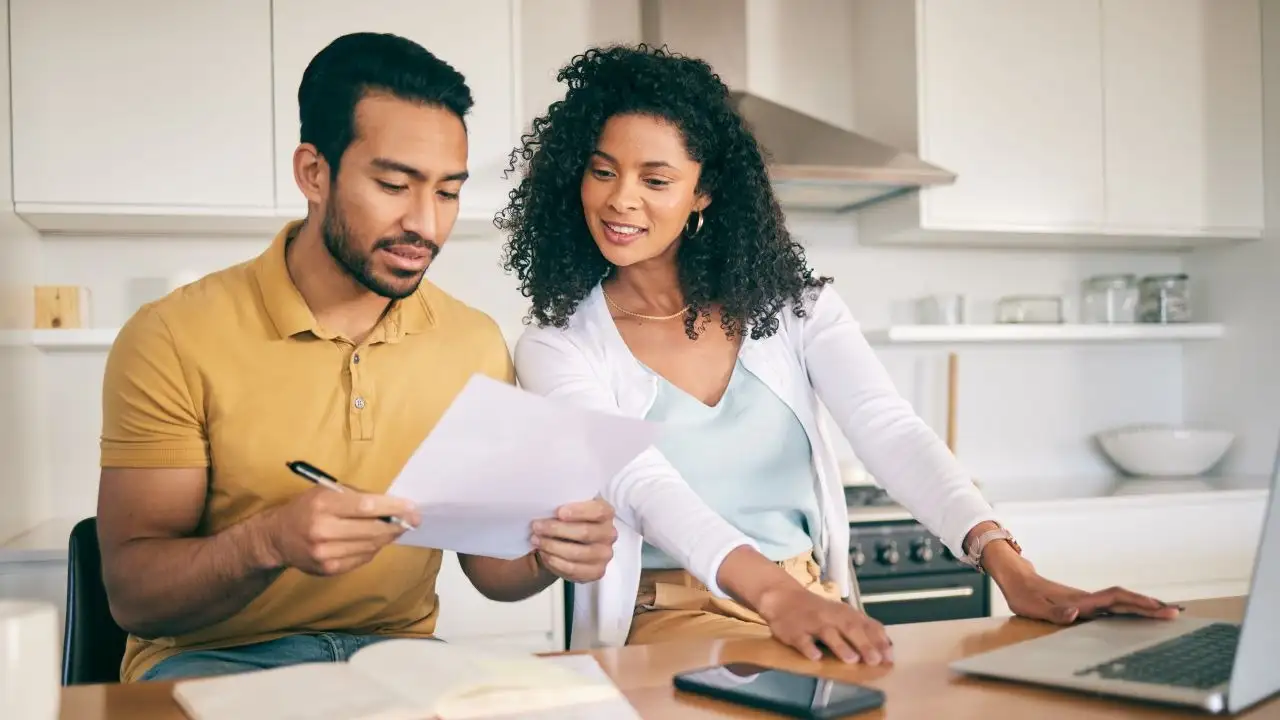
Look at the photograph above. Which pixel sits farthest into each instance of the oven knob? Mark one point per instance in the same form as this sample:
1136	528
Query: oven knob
888	553
857	557
922	550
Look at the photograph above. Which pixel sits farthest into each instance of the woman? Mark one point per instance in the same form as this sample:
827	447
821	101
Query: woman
664	285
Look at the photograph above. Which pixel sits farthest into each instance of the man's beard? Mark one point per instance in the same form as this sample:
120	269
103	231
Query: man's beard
337	240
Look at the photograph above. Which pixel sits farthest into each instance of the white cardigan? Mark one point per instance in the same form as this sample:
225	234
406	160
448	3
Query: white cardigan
821	357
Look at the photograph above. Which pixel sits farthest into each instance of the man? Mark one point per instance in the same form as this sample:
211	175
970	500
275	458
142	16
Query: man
331	348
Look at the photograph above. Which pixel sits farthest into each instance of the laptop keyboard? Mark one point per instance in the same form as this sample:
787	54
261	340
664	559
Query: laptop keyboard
1200	659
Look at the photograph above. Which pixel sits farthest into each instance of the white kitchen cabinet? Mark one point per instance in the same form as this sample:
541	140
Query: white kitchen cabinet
1177	548
141	107
1068	124
477	38
1010	101
39	579
1183	100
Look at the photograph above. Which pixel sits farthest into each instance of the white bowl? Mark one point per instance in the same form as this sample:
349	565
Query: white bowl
1164	450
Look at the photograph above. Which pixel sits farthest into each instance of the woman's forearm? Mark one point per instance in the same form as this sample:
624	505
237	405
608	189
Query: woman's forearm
752	579
999	558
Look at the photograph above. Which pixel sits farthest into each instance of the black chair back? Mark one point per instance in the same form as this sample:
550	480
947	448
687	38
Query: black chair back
93	645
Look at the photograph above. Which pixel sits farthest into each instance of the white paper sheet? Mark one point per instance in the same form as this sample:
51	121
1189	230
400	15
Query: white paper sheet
502	457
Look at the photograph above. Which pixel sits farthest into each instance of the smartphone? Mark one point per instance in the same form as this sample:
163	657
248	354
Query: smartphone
766	688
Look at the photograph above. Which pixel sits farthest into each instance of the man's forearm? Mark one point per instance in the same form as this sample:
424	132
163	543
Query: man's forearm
172	586
506	580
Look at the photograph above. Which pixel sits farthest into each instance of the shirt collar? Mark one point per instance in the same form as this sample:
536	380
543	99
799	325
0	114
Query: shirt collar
290	314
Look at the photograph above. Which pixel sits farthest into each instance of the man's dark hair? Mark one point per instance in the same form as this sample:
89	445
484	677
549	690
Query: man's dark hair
359	63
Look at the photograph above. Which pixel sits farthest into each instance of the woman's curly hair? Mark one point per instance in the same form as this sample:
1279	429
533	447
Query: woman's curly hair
742	259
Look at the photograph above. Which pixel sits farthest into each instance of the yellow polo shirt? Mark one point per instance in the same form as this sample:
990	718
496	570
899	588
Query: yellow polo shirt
233	373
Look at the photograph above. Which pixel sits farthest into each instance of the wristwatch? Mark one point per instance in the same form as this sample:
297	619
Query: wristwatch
974	557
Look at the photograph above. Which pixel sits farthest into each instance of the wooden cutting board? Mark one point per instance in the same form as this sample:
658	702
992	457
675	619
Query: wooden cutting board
953	382
58	306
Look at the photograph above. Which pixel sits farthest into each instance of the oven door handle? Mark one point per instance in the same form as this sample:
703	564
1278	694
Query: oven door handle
912	595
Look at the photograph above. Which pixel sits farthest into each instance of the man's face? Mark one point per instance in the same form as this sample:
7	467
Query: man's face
395	198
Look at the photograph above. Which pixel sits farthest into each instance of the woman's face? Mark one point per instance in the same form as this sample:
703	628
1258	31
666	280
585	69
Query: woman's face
639	189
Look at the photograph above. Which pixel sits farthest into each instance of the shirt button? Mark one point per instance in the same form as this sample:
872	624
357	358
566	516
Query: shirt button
359	403
355	359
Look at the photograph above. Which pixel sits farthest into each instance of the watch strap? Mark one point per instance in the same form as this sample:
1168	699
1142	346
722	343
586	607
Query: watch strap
974	556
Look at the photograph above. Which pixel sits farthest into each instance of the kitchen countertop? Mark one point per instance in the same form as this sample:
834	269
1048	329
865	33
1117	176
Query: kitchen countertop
1035	493
45	542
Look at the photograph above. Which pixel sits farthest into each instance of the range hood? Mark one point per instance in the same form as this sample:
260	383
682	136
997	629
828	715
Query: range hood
815	165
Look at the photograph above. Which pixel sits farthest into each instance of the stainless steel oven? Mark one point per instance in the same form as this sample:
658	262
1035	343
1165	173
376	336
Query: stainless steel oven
905	574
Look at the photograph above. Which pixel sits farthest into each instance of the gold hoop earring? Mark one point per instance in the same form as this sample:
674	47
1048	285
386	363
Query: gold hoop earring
696	228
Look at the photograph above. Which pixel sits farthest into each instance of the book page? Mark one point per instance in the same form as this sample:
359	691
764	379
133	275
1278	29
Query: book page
411	680
312	691
458	682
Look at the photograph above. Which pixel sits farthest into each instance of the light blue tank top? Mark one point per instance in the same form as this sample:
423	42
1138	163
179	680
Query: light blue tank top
748	458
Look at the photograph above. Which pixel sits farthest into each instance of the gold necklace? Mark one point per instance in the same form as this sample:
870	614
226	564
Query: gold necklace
625	311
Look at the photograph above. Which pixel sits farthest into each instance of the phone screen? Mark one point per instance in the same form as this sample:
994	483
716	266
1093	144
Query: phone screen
803	695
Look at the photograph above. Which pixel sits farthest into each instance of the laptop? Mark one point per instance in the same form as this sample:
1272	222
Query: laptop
1221	667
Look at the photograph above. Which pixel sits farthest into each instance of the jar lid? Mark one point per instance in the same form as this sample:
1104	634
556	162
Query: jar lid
1117	279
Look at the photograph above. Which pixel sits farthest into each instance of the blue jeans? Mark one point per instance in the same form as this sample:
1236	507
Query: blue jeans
289	650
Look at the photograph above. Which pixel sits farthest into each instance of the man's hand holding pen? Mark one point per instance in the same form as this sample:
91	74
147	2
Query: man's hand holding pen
321	532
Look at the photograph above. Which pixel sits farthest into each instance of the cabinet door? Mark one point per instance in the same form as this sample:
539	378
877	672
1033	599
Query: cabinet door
142	103
1183	116
475	37
1011	101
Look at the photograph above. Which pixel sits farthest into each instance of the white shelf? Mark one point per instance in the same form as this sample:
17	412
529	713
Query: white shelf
60	340
101	338
88	220
1028	333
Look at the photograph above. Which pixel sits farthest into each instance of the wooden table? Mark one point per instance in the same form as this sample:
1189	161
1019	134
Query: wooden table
918	685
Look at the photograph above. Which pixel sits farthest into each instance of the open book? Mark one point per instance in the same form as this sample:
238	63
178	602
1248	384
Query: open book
412	680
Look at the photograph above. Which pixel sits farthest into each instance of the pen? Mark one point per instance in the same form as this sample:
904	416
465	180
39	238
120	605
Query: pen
325	480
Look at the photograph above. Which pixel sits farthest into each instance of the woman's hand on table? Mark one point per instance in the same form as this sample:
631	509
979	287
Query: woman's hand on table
804	620
1031	595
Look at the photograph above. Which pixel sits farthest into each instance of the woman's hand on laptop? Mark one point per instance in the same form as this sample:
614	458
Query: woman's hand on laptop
577	544
1031	595
1043	599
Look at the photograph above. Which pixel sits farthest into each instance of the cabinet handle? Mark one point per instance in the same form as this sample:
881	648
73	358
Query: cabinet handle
910	595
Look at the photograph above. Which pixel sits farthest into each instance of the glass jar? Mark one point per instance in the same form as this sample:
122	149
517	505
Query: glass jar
1164	299
1110	299
1030	309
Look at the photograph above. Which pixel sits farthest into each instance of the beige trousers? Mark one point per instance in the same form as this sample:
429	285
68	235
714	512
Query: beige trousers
673	605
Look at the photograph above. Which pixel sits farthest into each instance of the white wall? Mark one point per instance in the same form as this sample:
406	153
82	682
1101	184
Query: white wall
1235	383
554	31
20	452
